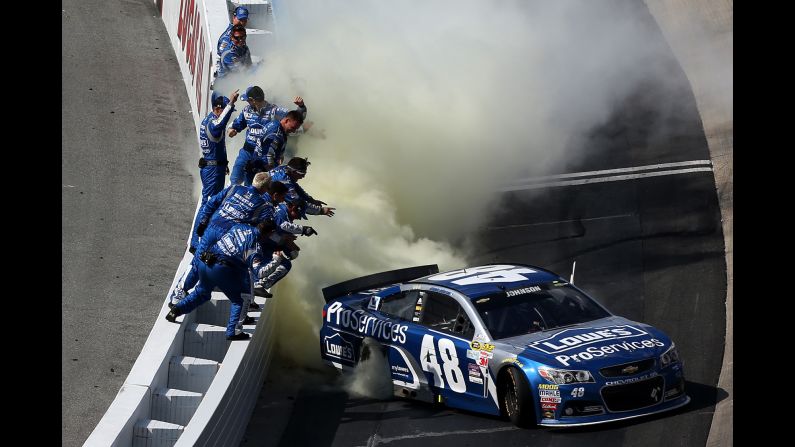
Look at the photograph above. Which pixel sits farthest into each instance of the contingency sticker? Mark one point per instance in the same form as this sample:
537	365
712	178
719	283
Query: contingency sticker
480	346
474	374
417	310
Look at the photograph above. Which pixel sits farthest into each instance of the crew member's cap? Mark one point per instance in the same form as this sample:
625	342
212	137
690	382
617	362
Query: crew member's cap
241	13
220	101
253	92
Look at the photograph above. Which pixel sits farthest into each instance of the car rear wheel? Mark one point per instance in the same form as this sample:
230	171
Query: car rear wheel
516	401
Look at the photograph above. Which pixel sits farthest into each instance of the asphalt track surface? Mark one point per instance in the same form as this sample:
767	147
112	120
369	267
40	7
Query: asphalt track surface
126	196
649	249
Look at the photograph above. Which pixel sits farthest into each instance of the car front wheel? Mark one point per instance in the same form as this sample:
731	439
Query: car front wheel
516	401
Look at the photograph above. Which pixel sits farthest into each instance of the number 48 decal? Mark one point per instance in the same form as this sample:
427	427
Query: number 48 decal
484	274
430	363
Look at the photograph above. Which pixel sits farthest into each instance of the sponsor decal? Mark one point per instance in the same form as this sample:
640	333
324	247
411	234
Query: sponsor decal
632	380
549	393
482	357
476	355
569	339
479	346
359	321
549	414
401	371
547	386
474	374
599	351
515	361
417	310
337	346
554	400
522	291
548	406
375	301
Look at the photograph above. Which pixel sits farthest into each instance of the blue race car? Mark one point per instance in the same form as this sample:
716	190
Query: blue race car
512	340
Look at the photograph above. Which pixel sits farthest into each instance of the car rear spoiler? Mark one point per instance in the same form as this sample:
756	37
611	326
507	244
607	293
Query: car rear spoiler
377	280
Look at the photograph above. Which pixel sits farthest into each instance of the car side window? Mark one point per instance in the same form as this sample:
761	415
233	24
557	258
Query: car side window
400	305
443	313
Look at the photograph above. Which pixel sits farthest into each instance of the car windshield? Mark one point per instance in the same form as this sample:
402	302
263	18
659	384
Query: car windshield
535	308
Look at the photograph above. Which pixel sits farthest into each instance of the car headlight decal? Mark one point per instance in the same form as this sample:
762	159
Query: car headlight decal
564	376
670	356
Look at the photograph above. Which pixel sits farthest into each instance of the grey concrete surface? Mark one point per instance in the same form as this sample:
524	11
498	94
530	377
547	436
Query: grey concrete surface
127	205
701	34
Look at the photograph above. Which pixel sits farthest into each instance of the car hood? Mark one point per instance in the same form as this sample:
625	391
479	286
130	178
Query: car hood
607	341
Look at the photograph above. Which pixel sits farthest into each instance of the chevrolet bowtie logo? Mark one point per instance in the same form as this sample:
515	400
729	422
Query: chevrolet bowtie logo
629	369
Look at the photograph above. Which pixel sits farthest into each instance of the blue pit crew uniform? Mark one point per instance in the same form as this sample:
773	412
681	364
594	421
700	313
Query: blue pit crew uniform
294	190
224	41
255	121
235	204
269	150
213	146
227	268
213	163
234	58
255	125
284	227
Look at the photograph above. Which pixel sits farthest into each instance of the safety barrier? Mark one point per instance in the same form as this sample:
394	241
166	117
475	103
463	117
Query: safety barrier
189	385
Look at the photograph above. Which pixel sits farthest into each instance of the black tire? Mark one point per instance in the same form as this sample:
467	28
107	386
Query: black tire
516	400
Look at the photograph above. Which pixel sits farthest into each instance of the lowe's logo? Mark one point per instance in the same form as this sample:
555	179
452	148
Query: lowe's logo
576	338
336	346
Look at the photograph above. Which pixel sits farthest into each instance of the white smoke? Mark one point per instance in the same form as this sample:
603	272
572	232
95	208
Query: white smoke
426	108
371	377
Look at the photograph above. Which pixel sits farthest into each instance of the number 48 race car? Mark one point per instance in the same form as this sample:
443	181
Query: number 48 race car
511	340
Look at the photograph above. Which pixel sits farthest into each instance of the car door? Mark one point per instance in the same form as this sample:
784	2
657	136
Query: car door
446	356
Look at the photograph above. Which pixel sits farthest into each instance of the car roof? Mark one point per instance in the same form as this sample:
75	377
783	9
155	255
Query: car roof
533	276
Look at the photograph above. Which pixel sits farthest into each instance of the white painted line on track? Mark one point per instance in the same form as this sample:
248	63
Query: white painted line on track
376	440
615	216
614	178
615	171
